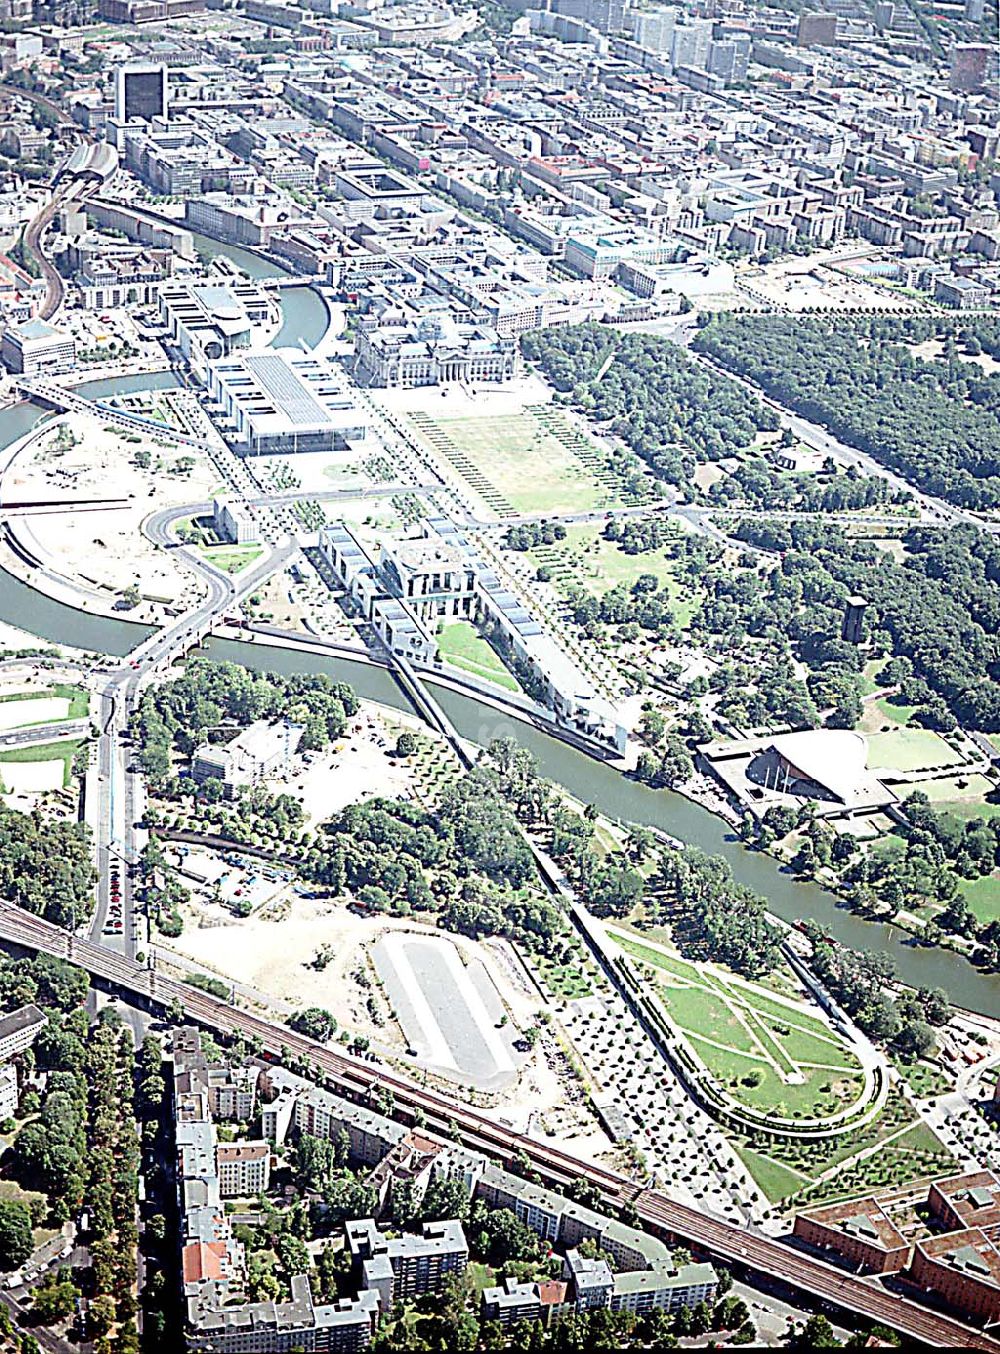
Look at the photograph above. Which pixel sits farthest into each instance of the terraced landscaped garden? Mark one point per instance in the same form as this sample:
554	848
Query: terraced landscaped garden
768	1054
897	1147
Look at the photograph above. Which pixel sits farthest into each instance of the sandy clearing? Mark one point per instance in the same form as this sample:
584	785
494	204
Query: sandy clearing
15	714
273	954
358	769
106	546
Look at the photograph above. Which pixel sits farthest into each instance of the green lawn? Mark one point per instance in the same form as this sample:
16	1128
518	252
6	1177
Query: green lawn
909	750
957	793
78	701
679	967
964	809
765	1054
868	682
461	644
892	710
516	462
775	1180
232	558
481	1275
695	1008
889	847
585	558
46	752
983	896
822	1093
749	994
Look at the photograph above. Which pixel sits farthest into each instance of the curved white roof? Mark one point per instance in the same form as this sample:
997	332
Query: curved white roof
834	758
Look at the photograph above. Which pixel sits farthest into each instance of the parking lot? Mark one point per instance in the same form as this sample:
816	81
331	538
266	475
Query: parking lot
238	883
680	1144
113	921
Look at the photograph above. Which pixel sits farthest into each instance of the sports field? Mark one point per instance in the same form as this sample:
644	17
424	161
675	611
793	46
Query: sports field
767	1053
523	463
44	766
909	750
42	705
461	645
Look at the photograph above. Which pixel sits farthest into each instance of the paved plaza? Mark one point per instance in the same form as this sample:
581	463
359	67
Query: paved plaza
449	1009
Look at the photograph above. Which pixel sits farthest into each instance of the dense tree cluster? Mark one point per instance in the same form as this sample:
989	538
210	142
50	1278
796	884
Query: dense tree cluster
79	1147
465	859
49	982
640	535
444	1197
315	1023
213	701
861	980
668	763
935	422
321	1170
113	1183
384	844
530	535
668	410
46	867
939	609
16	1240
727	919
756	483
644	605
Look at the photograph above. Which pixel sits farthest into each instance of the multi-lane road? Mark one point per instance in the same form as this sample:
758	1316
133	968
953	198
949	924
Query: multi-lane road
119	786
361	1080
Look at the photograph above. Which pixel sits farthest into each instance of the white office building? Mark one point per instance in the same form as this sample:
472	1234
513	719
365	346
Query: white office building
652	29
37	349
283	401
8	1091
234	522
690	43
19	1030
210	322
140	93
259	751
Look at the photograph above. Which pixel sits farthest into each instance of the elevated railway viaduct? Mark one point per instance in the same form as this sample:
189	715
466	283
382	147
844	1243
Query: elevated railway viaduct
362	1082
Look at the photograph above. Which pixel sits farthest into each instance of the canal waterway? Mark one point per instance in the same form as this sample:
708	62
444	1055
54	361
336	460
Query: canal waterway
587	779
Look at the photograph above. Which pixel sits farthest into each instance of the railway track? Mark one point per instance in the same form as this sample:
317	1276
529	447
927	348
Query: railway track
363	1081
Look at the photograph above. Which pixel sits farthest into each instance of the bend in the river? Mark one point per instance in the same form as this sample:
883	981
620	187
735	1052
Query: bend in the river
585	778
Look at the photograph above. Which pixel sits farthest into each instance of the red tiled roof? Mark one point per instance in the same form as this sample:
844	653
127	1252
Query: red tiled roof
203	1261
551	1293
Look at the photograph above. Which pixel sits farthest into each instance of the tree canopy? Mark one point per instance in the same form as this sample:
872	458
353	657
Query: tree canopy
935	422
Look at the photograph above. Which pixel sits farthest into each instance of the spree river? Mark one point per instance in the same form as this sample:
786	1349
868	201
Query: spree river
587	779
